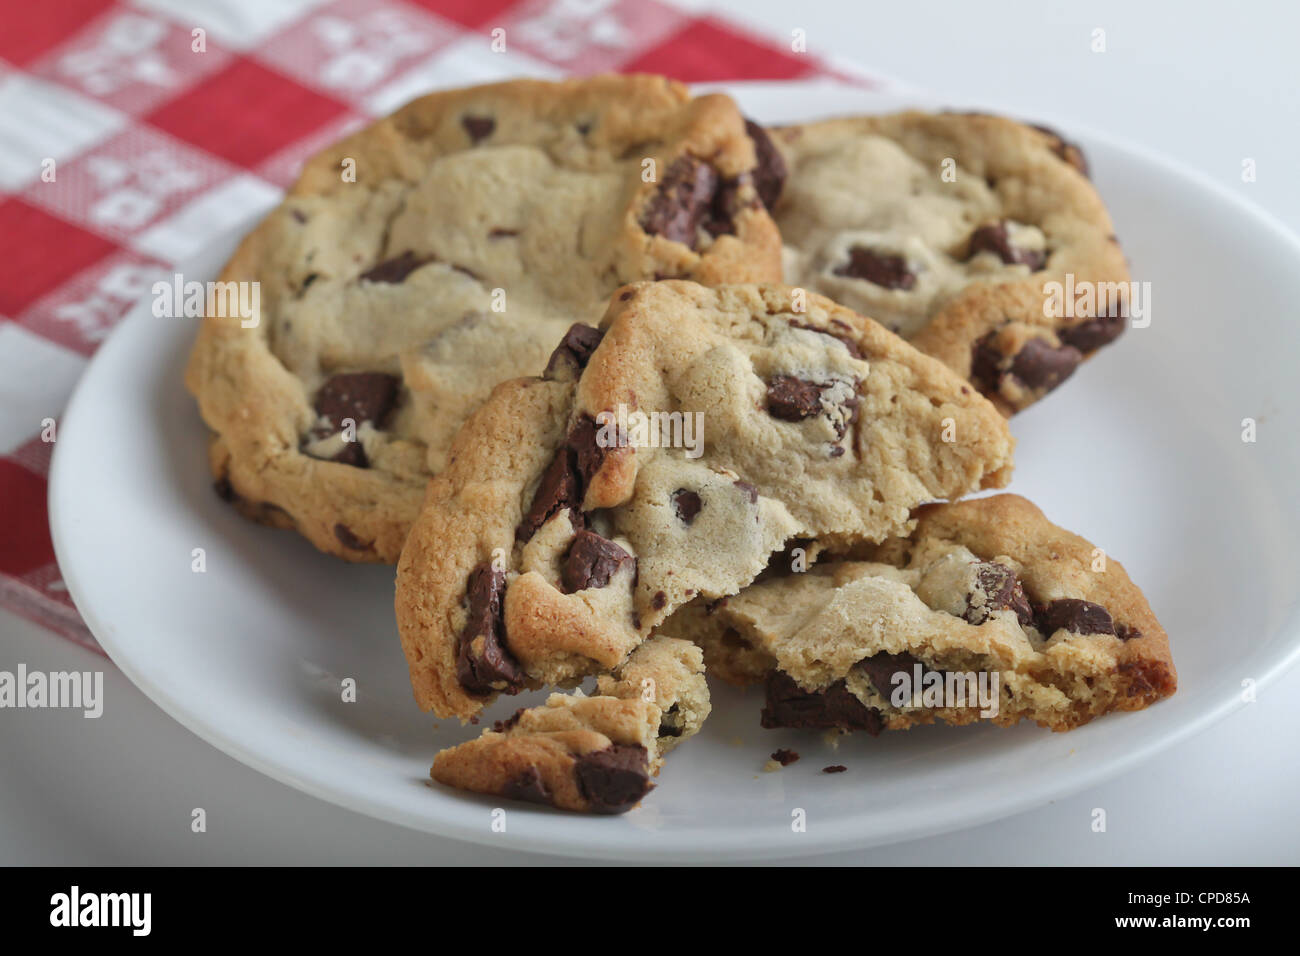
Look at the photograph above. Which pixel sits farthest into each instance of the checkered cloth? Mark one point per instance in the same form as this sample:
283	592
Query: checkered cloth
131	134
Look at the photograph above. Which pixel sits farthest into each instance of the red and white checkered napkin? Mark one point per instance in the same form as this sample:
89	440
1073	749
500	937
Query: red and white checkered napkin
168	121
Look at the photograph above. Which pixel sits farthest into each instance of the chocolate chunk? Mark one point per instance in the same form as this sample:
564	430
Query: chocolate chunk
684	197
882	667
615	779
352	453
587	450
835	768
1126	633
785	757
670	724
348	539
852	406
882	269
1075	616
591	562
659	600
1002	591
767	177
771	171
849	344
394	271
1068	151
789	705
721	218
564	482
1148	678
360	396
995	238
527	786
501	726
574	350
1040	365
558	489
1092	334
687	505
479	128
793	399
986	363
484	663
500	233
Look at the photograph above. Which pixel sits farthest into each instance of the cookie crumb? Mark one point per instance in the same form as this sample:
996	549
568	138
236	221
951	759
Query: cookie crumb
835	768
785	757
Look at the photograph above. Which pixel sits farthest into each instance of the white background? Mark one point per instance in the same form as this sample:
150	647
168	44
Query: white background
1210	84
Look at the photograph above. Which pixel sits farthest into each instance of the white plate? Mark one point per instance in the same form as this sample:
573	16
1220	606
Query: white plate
1141	452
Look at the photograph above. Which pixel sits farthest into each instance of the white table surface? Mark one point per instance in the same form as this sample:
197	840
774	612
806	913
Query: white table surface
1206	84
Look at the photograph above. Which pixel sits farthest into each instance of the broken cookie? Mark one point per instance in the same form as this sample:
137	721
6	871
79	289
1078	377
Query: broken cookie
707	429
591	754
984	611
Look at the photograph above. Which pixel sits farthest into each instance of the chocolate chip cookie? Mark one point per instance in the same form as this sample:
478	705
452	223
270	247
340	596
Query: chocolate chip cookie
949	229
441	250
706	430
985	610
592	754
